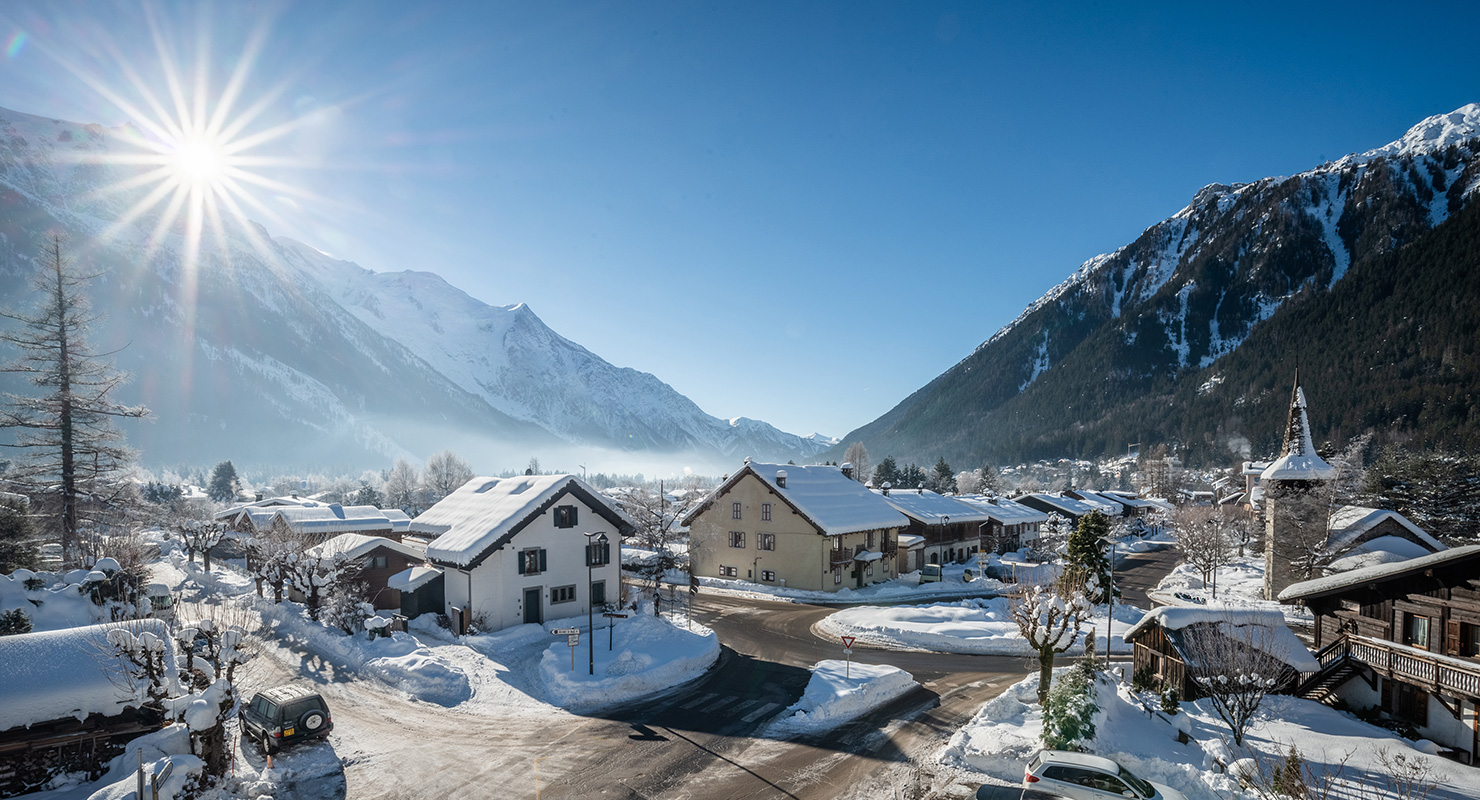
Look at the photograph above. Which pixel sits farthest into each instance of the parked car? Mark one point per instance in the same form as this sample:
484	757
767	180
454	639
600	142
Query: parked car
991	792
285	714
1081	776
930	573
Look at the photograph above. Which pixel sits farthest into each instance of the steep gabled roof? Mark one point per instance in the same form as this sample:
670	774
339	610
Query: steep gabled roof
351	546
328	519
1332	584
482	515
1281	642
1349	523
831	502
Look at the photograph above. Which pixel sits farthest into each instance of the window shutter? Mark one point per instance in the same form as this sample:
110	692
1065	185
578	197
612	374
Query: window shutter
542	560
1451	637
589	561
522	557
575	517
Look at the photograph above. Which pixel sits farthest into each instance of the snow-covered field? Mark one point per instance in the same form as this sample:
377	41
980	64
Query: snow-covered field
998	742
978	625
637	657
839	692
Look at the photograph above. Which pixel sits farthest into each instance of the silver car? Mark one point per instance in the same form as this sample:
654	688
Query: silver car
1082	776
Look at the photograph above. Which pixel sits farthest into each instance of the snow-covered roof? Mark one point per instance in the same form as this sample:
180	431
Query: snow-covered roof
70	673
835	504
332	518
1281	643
1129	499
482	514
1104	502
270	502
925	506
1376	574
351	546
1349	523
908	540
400	520
1068	505
1004	511
412	578
1255	467
1298	460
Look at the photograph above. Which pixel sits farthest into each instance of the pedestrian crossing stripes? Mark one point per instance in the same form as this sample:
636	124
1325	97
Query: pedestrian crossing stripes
760	712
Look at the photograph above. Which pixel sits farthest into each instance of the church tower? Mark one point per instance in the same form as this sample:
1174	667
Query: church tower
1295	508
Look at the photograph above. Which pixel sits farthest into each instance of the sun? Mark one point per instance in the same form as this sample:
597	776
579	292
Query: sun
199	163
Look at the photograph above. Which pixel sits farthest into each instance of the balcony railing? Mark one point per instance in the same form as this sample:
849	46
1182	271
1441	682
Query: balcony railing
843	556
1448	674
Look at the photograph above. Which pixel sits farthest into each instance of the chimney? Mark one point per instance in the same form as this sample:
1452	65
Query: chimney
259	497
886	488
781	478
848	469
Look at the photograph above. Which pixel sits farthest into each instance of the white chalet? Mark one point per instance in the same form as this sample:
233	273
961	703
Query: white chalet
515	550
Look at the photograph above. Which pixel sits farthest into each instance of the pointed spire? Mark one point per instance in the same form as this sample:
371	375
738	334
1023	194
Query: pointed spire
1298	458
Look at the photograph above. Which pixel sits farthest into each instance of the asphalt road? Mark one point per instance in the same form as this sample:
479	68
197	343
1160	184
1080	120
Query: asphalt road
1138	573
706	739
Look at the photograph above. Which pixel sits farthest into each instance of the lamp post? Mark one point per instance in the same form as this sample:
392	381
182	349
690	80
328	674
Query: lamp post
945	526
592	549
1109	599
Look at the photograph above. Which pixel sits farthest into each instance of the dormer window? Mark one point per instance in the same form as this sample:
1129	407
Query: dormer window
565	516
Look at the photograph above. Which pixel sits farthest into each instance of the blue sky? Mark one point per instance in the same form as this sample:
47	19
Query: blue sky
798	212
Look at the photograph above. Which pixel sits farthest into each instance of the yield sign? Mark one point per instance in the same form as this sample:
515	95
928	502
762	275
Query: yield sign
848	641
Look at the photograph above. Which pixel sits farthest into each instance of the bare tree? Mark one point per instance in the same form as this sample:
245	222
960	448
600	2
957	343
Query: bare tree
857	455
75	454
199	537
1049	616
444	473
1235	663
402	487
1205	535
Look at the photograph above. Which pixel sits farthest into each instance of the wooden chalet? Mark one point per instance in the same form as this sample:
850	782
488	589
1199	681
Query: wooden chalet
1166	640
1404	638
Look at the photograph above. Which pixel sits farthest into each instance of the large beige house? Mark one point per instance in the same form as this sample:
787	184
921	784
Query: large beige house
802	527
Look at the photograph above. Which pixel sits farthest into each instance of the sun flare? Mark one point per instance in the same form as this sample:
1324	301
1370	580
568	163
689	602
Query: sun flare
199	163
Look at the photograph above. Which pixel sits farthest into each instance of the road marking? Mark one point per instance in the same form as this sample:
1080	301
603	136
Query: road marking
706	698
736	709
760	712
722	701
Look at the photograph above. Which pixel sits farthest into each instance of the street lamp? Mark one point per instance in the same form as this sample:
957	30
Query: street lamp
1109	598
945	527
592	550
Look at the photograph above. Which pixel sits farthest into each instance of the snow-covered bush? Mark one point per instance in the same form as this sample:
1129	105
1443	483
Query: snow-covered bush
346	608
14	621
1068	716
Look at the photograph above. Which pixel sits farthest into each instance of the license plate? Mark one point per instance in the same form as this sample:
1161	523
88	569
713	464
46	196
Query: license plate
288	731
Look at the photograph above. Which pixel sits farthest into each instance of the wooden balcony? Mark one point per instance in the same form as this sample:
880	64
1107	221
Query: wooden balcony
843	556
1437	673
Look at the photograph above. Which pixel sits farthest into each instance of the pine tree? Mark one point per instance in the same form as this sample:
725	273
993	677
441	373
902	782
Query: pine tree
942	479
1085	553
17	549
224	483
75	456
886	472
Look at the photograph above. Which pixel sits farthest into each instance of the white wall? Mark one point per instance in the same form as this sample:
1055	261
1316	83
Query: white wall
498	588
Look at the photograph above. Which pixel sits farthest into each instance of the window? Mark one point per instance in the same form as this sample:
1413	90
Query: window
886	566
765	512
737	538
765	541
870	540
598	593
1405	701
734	511
837	575
837	542
1416	630
871	570
768	575
598	554
729	572
1469	640
565	516
562	594
532	561
378	562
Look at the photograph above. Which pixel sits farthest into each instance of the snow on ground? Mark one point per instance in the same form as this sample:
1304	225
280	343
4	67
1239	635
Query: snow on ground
998	742
839	692
1241	583
639	656
977	625
904	588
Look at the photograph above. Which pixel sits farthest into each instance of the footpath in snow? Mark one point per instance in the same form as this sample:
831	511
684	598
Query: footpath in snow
978	625
838	693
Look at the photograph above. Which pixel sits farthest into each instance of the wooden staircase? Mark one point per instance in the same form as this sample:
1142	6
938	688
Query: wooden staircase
1321	686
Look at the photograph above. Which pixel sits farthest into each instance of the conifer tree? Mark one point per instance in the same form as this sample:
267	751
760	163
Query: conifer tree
886	472
75	457
942	479
223	483
1086	554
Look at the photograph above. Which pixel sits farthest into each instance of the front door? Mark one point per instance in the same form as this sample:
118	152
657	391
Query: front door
532	606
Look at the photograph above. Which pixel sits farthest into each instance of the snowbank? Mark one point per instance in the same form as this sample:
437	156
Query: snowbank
72	673
1240	583
903	588
647	655
838	693
982	626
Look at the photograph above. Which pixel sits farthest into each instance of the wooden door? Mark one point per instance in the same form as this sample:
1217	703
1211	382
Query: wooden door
532	611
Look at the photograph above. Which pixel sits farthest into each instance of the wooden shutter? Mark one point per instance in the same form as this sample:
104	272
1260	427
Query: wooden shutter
1451	637
543	567
590	557
521	558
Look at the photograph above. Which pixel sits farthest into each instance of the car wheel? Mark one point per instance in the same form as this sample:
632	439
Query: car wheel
312	721
268	747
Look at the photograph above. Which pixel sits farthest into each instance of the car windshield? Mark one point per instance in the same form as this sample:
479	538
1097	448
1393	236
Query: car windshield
1144	788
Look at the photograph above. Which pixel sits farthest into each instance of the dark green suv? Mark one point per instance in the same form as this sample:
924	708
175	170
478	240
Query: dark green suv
285	714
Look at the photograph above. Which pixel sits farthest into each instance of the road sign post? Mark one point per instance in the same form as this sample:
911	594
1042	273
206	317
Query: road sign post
610	626
848	654
572	638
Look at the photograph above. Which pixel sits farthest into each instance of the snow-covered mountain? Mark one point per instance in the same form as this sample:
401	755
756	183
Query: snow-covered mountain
270	352
1099	360
510	358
